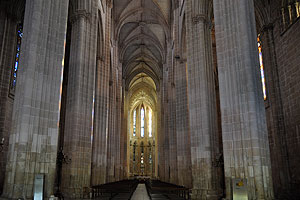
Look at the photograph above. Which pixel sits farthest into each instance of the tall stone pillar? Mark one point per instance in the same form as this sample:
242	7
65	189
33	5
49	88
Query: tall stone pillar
120	133
34	137
113	147
202	100
182	125
119	140
170	115
162	127
79	106
100	135
125	125
245	137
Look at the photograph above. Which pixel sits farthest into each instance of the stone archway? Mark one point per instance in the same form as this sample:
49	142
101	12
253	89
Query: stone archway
142	127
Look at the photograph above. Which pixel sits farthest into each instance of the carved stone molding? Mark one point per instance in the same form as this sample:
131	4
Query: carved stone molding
202	18
80	14
268	27
198	18
109	3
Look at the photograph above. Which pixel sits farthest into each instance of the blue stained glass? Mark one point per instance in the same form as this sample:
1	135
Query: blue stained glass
18	48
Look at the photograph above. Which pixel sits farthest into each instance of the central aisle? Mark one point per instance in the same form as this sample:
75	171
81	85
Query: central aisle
140	193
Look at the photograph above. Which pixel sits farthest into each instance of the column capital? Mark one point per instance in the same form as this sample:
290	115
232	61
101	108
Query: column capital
202	18
199	17
109	4
80	14
268	27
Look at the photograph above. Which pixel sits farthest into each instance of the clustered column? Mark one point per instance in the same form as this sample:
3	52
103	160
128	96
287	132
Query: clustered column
202	101
171	137
34	137
245	136
182	125
81	84
100	135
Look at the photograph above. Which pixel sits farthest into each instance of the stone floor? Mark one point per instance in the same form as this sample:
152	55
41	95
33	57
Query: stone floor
140	193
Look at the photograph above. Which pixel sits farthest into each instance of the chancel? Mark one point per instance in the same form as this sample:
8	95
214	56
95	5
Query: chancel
150	99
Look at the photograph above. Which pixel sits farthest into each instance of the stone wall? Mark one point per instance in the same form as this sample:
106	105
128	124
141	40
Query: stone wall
287	51
7	55
281	64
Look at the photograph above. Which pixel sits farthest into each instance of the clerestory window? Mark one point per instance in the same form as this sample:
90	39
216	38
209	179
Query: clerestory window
262	73
15	68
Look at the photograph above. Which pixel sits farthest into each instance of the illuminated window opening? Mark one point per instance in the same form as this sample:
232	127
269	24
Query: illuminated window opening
142	122
17	59
150	123
134	122
262	73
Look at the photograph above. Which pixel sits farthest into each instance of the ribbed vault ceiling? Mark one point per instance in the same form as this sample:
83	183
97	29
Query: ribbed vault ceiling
142	31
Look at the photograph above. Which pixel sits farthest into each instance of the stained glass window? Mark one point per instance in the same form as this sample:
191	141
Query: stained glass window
134	147
17	58
150	153
262	73
142	122
142	153
134	122
150	123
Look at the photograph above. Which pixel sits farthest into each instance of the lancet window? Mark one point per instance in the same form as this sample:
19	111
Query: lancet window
290	12
15	67
134	122
150	123
142	121
262	73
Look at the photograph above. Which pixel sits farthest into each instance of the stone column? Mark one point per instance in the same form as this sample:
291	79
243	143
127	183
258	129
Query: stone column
162	130
112	134
79	106
182	125
245	137
172	170
121	135
202	100
125	128
120	141
99	168
34	136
